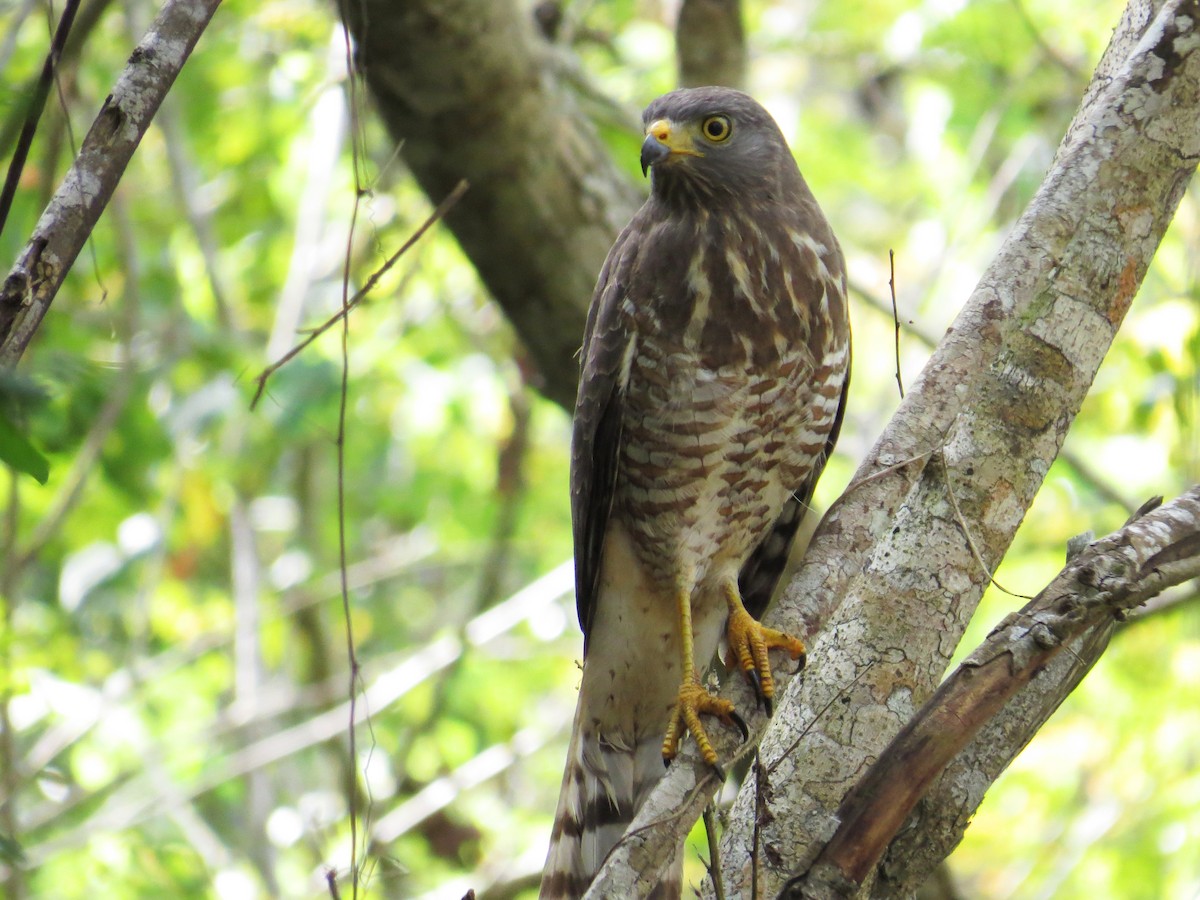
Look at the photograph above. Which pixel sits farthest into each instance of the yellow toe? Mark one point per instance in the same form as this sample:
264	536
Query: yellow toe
749	646
695	701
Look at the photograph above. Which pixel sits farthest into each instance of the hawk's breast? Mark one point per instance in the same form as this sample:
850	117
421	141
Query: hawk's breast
732	388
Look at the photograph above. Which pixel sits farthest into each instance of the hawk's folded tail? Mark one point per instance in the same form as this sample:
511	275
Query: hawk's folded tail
603	787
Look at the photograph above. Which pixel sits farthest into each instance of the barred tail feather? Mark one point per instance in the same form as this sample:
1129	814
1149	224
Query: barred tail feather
564	875
603	787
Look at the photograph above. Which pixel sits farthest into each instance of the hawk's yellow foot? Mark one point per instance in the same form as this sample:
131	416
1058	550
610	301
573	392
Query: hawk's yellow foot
749	643
695	701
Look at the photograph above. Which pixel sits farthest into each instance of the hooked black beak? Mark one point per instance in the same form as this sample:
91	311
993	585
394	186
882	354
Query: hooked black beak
653	150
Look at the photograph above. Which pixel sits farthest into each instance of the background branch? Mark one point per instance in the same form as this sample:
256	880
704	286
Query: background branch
33	112
60	234
471	94
711	43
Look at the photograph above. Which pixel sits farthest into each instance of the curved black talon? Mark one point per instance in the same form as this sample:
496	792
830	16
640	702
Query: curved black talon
716	767
760	698
756	682
741	726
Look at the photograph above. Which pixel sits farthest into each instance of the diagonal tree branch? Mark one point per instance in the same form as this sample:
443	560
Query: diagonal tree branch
1085	471
1004	385
1094	591
945	812
474	90
36	104
60	234
890	572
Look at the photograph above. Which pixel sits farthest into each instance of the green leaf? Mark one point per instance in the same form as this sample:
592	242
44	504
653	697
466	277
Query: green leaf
10	851
16	450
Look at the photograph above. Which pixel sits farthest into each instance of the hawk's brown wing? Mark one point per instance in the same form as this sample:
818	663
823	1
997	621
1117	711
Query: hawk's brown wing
596	434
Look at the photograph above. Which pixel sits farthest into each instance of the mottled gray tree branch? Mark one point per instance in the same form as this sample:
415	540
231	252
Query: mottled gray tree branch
941	818
1095	590
60	234
907	553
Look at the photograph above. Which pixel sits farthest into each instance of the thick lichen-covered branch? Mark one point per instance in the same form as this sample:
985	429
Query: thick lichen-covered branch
909	550
1097	588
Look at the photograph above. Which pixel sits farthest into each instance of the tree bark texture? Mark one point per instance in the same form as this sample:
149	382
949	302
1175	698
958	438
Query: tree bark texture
938	823
473	90
900	561
60	234
1098	587
711	43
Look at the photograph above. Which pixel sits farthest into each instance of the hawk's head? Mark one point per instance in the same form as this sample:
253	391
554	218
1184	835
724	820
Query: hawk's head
714	140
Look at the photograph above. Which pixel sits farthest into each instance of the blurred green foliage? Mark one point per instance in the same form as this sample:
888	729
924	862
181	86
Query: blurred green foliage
174	665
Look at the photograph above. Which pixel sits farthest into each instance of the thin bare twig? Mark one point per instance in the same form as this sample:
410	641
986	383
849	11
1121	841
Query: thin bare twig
343	400
815	719
1047	48
962	526
89	16
760	810
34	113
442	208
714	852
895	316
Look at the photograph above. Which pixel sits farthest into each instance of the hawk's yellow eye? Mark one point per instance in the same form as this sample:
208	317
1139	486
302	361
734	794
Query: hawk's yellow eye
717	128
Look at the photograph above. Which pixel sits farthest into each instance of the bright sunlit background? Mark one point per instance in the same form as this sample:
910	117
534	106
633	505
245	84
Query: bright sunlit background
174	652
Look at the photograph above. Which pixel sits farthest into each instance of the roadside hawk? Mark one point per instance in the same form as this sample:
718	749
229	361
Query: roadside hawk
714	372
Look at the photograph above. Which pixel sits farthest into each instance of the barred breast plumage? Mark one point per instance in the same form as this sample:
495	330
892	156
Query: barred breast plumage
731	411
